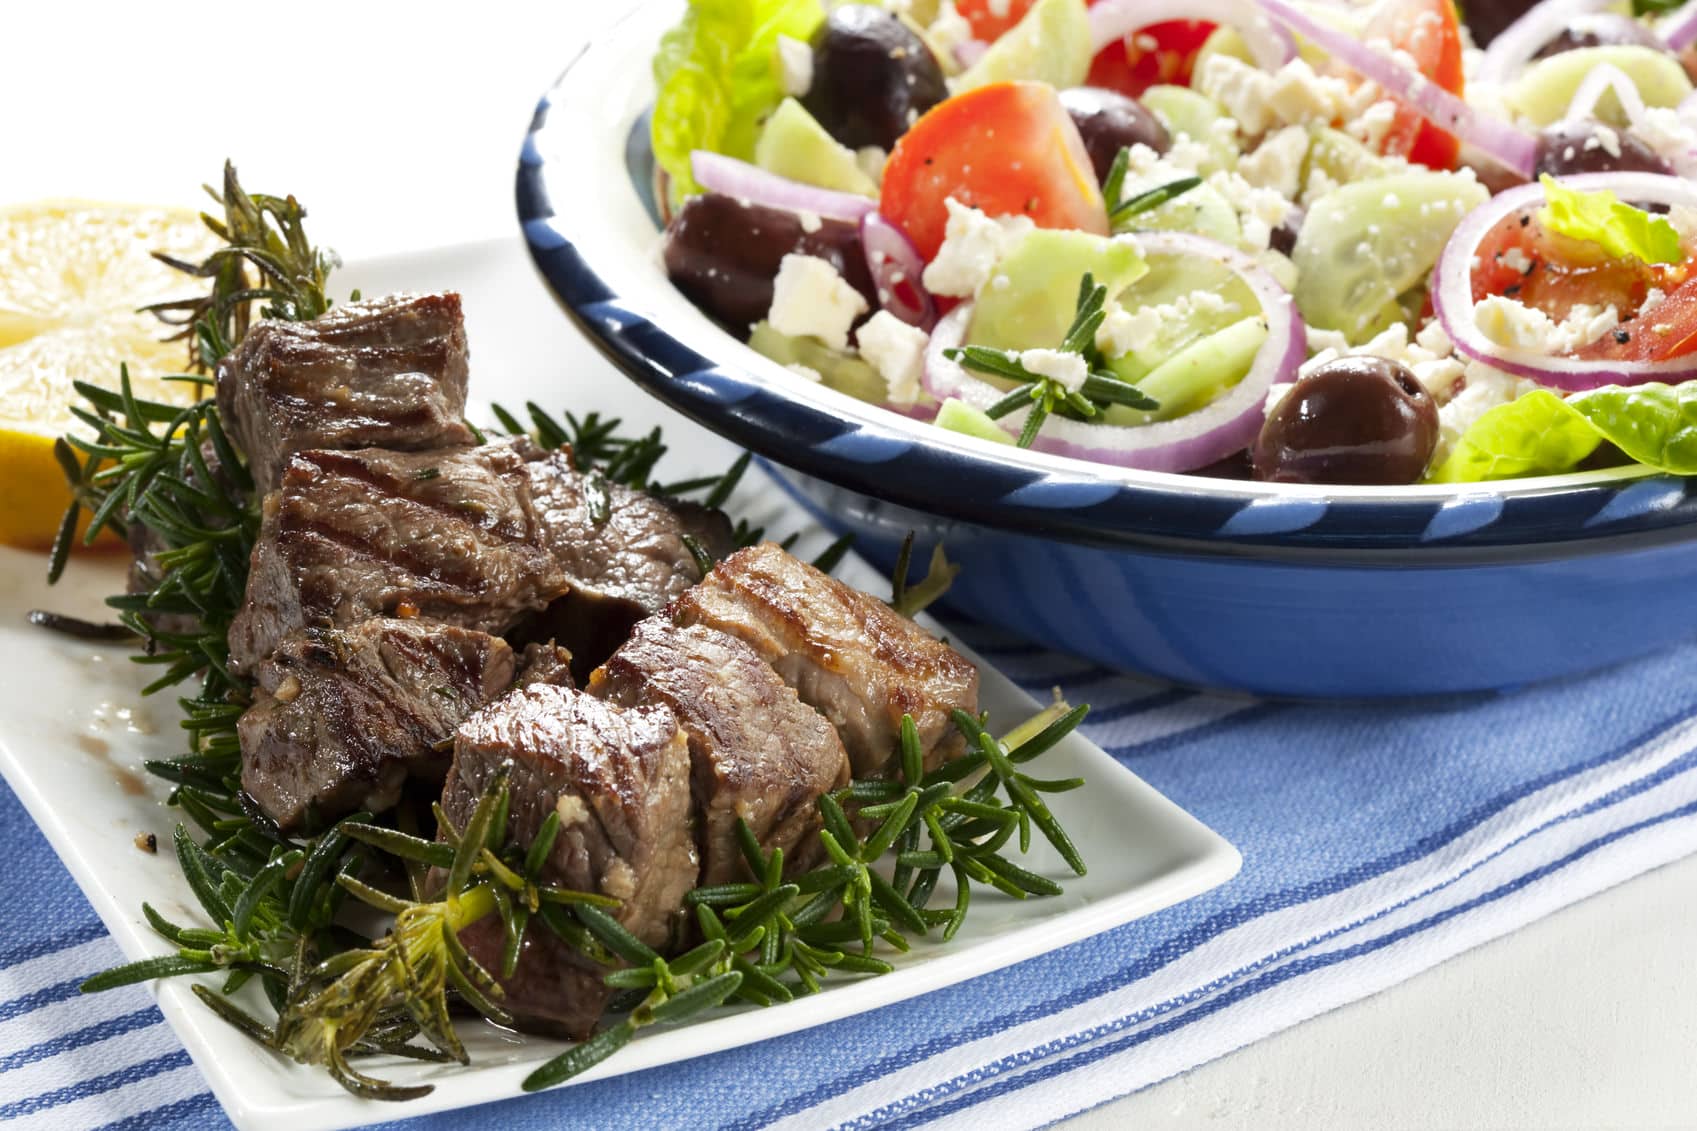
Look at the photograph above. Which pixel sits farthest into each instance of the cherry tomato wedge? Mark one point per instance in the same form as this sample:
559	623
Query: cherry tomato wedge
990	18
1159	53
1666	331
1008	149
1430	32
1521	260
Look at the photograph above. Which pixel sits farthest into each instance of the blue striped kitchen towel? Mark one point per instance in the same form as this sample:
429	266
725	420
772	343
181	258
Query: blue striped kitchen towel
1377	841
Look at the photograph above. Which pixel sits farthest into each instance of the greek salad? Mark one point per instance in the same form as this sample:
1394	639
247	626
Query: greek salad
1311	241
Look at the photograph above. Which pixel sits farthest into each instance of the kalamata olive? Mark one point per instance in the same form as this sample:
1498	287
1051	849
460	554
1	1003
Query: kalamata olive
1599	29
1591	147
1109	122
723	255
1353	420
1486	19
1283	237
872	77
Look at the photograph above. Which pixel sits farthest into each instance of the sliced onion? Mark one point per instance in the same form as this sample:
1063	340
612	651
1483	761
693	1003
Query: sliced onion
969	51
1604	77
754	185
1678	28
1515	45
1113	20
1452	287
1191	441
896	266
1499	140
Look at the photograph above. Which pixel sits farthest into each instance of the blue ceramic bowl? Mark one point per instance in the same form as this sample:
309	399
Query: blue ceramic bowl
1265	588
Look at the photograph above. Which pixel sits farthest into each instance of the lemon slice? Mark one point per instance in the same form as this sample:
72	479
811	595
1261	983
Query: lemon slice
72	275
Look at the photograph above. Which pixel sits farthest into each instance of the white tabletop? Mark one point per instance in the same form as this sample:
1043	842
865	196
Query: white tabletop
399	126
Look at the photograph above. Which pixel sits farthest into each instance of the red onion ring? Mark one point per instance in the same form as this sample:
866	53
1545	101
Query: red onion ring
896	266
1112	20
1603	77
1191	441
1515	45
750	183
1452	287
1513	147
1678	28
969	51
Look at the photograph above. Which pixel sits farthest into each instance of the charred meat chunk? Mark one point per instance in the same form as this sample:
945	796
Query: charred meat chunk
622	553
447	536
343	718
848	655
619	780
484	537
383	373
756	751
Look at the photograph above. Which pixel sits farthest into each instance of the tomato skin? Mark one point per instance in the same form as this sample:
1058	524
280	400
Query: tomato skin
1430	32
1667	331
986	24
1131	69
1008	149
1518	258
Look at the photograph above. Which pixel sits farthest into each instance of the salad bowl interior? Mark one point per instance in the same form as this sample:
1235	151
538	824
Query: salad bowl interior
1385	591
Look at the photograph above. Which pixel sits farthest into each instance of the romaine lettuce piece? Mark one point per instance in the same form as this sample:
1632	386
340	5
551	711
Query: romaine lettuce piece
1600	218
717	77
1542	434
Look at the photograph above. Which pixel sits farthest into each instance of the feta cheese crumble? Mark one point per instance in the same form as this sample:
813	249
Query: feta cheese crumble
973	243
897	351
810	300
1518	326
1069	370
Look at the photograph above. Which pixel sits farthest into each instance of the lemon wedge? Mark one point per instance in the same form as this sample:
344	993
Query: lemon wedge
72	275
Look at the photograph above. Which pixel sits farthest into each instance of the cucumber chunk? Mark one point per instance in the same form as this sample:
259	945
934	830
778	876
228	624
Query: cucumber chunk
958	416
1036	306
1184	111
1197	375
1364	244
1050	44
794	145
841	371
1202	210
1544	89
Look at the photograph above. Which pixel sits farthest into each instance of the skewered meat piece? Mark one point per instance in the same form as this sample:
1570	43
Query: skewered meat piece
344	717
484	537
848	655
382	373
756	751
619	779
447	536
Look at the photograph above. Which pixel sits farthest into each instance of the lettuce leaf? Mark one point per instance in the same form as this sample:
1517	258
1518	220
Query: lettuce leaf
1542	434
717	77
1601	218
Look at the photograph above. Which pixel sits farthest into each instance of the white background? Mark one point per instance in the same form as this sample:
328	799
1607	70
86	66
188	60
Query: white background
399	125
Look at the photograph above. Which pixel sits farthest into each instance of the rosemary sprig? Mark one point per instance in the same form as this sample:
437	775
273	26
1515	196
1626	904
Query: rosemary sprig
1044	395
1120	211
267	234
911	600
774	937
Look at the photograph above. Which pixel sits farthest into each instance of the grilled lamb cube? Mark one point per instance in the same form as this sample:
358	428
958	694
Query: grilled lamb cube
343	718
756	751
485	537
848	655
446	536
619	779
382	373
622	567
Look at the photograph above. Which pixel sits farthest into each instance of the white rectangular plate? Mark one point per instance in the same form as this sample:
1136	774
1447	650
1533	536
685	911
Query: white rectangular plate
74	732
